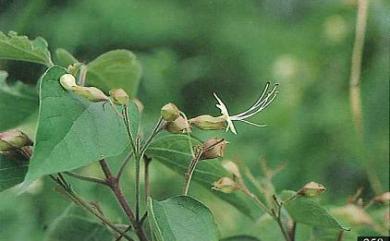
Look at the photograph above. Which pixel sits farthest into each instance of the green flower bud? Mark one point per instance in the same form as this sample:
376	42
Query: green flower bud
180	125
226	185
119	96
13	139
91	93
213	148
311	189
68	81
208	122
170	112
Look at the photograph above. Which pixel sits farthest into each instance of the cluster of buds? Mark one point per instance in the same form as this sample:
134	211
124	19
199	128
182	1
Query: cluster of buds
13	139
119	96
175	121
311	189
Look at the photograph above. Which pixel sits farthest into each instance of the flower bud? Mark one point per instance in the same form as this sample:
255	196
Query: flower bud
383	198
170	112
231	167
180	125
213	148
119	96
311	189
13	139
226	185
68	81
208	122
91	93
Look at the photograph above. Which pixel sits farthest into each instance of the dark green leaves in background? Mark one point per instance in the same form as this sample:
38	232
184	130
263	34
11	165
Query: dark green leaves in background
181	218
18	102
115	69
72	132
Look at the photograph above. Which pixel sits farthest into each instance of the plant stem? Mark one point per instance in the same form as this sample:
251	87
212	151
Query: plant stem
293	231
340	236
88	179
124	163
115	187
79	201
278	218
147	162
190	171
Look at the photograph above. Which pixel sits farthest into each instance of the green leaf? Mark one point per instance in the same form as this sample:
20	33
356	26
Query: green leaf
64	58
115	69
72	131
241	238
307	211
17	103
174	152
75	224
181	218
13	168
15	47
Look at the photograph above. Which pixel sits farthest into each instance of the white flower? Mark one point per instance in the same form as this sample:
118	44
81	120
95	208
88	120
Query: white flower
261	103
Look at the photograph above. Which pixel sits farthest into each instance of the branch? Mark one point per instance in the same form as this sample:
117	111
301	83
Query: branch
88	179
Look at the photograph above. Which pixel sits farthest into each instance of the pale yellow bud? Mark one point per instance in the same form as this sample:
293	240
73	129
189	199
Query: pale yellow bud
180	125
231	167
311	189
213	148
68	81
91	93
119	96
226	185
170	112
208	122
13	139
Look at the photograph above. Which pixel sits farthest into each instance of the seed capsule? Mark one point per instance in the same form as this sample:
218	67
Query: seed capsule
213	148
68	81
311	189
13	139
208	122
170	112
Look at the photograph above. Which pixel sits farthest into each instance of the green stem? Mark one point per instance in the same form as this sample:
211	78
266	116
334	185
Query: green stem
88	179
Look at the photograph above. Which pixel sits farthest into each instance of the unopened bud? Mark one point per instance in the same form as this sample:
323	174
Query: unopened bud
170	112
13	139
91	93
180	125
68	81
232	168
311	189
213	148
119	96
383	198
226	185
208	122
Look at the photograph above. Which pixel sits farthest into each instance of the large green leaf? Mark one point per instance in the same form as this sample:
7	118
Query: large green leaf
64	58
115	69
16	47
72	131
17	103
13	168
174	152
241	238
75	224
307	211
181	218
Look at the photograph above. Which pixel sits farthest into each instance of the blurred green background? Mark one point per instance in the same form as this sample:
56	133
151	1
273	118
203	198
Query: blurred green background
190	49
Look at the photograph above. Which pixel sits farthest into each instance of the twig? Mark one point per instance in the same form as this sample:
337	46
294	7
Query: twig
355	90
114	185
88	179
190	171
124	163
147	162
278	218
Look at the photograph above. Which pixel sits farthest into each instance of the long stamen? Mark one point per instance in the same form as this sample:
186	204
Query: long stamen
259	107
258	101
